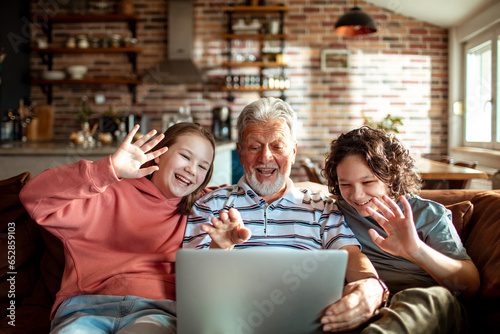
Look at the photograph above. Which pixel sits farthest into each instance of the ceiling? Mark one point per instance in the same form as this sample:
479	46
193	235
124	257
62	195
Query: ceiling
442	13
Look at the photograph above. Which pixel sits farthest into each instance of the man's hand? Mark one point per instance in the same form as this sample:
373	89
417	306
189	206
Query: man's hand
359	301
129	157
227	230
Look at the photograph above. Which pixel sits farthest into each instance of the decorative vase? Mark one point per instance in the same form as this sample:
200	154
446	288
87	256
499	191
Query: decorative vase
126	7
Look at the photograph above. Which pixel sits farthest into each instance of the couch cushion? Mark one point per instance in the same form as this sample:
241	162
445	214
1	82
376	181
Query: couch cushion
25	242
449	196
39	263
483	241
10	205
461	215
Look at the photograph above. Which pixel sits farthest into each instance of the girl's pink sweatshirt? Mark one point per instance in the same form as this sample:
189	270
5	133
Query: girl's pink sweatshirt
120	237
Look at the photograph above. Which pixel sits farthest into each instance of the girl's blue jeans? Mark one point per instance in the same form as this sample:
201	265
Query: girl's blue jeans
115	314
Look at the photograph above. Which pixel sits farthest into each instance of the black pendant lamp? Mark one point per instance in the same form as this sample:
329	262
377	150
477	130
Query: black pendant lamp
355	22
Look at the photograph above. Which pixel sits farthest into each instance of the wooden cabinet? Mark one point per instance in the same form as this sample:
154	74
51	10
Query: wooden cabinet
47	54
255	44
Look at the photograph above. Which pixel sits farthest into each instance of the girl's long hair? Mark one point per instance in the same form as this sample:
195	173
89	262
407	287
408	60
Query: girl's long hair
171	136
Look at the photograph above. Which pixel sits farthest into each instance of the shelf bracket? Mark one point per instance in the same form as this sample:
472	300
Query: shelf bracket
282	21
132	24
229	22
132	57
47	59
282	96
47	29
47	90
132	88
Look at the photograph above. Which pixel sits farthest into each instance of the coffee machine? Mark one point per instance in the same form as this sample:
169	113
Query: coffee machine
221	123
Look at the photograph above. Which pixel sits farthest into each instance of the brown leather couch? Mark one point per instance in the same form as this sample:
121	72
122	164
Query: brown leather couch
34	279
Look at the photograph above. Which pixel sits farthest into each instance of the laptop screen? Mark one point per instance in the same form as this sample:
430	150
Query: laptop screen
256	290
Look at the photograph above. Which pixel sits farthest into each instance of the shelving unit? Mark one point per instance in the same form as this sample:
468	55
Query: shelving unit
47	23
233	66
47	54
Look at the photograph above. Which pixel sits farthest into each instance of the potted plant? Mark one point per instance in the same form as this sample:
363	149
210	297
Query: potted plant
84	113
388	124
85	136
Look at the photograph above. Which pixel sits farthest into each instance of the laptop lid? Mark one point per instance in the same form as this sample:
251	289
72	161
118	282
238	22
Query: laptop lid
257	290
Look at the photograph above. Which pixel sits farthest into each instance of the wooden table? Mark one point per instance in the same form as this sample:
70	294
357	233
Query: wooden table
435	170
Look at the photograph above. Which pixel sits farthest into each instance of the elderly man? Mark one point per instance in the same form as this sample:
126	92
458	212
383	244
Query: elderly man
276	213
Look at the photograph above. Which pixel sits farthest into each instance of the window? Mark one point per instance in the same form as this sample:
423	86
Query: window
482	117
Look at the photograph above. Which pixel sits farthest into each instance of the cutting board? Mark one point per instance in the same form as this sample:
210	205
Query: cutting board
45	126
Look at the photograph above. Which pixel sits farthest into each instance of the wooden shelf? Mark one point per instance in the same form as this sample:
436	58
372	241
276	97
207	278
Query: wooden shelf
47	54
47	84
260	37
253	64
87	50
233	13
47	22
87	81
73	18
255	9
248	89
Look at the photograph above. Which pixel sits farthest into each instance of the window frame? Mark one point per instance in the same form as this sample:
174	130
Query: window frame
492	35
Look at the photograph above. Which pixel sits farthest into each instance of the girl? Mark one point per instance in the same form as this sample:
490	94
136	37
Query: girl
121	230
413	244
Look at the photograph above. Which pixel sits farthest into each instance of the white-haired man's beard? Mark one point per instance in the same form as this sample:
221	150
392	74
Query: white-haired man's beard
266	188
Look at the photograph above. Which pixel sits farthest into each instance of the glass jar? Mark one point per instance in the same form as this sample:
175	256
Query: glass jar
116	41
94	42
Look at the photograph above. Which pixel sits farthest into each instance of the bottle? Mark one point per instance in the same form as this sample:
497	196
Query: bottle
229	81
271	83
188	114
185	114
121	133
282	82
8	126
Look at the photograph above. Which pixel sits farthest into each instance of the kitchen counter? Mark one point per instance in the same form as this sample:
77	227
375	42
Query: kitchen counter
35	157
17	148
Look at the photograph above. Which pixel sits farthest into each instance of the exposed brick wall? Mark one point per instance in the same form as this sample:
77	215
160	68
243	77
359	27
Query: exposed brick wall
402	70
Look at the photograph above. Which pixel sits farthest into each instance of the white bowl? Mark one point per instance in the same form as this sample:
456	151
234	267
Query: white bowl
53	75
76	71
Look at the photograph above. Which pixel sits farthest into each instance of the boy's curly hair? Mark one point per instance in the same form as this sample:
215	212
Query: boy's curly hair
386	156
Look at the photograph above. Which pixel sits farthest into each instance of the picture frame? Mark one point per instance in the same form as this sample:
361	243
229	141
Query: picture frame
334	60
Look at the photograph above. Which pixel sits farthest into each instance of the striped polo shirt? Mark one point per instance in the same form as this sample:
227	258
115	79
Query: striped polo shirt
300	219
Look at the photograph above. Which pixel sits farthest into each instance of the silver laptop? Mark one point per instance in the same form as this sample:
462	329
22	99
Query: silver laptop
257	290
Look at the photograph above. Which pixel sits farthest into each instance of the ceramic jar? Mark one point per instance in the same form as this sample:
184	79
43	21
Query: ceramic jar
83	42
105	138
71	43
